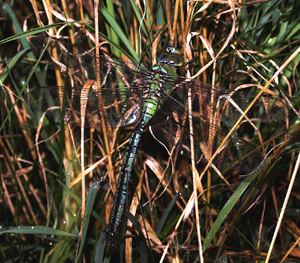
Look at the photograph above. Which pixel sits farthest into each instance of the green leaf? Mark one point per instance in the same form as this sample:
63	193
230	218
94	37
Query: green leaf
115	26
37	230
228	207
88	210
11	64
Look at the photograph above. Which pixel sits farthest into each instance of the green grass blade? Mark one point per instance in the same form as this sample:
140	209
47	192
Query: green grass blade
37	230
70	191
165	214
111	33
11	64
227	208
86	218
115	26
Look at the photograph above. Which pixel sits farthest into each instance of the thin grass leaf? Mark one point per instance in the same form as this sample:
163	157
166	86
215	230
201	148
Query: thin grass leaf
86	218
37	230
70	192
165	214
34	31
111	33
11	64
115	26
227	208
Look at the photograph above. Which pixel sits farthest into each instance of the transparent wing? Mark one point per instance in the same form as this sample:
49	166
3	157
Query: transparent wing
118	107
116	102
79	65
211	108
230	105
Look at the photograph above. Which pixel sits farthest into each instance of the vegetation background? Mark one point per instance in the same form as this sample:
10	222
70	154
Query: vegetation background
235	44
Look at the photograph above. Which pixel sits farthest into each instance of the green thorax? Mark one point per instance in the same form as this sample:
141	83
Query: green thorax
167	63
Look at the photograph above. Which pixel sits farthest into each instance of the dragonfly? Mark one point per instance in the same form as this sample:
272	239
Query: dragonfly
130	95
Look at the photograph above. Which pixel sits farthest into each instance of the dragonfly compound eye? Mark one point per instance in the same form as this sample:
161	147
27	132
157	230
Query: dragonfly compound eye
171	57
170	50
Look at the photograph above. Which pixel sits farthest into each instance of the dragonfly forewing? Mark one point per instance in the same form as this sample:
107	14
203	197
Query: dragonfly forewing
118	112
118	99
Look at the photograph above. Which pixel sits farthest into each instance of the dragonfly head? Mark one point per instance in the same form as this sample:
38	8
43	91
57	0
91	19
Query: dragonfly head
172	57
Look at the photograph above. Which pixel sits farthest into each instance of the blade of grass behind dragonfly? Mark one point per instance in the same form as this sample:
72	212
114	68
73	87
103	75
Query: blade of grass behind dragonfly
110	32
63	249
115	26
86	219
101	254
37	230
117	29
227	209
84	94
23	41
141	23
33	115
31	32
167	211
10	64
